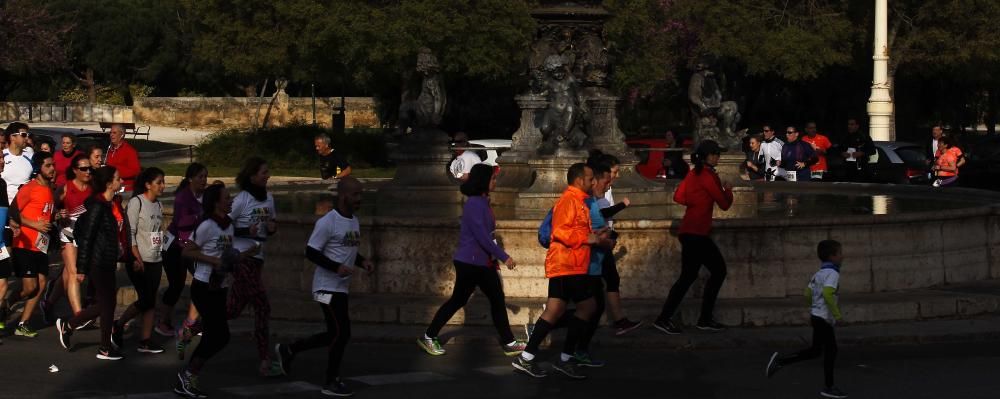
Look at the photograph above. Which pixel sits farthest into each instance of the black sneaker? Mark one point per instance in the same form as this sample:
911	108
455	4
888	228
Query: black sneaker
284	358
568	368
87	325
65	334
773	365
710	325
624	326
109	354
117	337
833	392
148	346
529	367
337	388
187	386
667	327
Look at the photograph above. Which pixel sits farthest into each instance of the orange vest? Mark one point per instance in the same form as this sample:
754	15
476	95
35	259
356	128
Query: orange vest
569	253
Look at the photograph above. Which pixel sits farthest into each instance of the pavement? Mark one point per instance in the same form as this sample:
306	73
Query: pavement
166	134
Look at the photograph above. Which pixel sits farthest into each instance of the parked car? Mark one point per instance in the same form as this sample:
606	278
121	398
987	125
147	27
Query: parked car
982	168
896	162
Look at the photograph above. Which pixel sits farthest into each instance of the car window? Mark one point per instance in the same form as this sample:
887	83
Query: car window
911	154
641	152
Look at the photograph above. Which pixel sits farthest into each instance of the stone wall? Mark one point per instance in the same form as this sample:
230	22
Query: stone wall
64	112
239	112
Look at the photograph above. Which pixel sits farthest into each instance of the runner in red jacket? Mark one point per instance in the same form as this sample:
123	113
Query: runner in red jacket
700	191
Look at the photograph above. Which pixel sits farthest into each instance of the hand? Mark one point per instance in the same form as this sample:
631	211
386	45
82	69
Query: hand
727	186
627	202
253	251
344	271
254	229
80	277
800	165
857	154
138	265
510	263
272	226
43	227
368	266
16	230
593	239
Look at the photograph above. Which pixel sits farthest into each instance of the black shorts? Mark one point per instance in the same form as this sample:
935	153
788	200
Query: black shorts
6	268
574	288
28	263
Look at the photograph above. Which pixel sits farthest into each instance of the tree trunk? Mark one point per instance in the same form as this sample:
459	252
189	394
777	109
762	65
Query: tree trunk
91	85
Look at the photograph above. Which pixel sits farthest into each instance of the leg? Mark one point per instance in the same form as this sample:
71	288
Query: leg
342	321
176	271
465	285
609	270
147	299
71	280
690	263
262	331
819	337
491	285
554	309
595	321
829	354
211	305
716	265
31	292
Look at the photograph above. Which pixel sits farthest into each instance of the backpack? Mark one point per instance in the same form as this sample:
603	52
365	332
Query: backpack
545	231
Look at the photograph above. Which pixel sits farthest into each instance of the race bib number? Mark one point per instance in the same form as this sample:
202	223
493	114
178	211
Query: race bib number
156	241
42	243
817	175
4	253
323	297
791	175
167	240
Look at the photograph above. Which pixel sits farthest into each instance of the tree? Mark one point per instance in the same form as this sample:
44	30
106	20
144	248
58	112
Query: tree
32	40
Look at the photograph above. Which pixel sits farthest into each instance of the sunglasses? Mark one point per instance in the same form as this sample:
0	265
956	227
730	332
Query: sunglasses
85	169
22	134
791	131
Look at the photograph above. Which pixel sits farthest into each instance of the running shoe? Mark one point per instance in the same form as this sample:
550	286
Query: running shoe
148	346
284	357
118	337
667	327
270	369
430	345
24	331
65	333
514	348
568	368
164	329
710	325
529	367
85	326
624	326
187	386
773	365
833	392
337	388
109	354
583	359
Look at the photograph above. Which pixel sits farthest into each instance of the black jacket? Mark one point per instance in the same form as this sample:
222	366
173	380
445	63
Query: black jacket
96	233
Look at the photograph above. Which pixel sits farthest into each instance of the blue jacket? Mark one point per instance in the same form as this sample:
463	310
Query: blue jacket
798	151
596	222
475	238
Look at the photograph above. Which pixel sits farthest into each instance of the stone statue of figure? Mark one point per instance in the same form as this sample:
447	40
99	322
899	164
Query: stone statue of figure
426	108
714	119
560	123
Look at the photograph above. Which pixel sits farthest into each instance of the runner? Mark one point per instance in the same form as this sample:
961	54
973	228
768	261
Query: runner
145	217
476	265
6	265
35	207
71	196
101	235
566	266
63	158
187	214
17	162
699	193
253	220
211	247
333	248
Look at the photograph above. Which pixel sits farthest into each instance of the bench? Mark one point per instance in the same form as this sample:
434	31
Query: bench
130	128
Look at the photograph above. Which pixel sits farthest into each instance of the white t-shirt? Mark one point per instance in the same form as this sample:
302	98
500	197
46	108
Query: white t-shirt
462	165
338	238
213	241
16	171
823	278
247	211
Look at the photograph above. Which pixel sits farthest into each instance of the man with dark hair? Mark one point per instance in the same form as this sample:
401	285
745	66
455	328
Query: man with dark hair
35	205
17	163
464	159
331	164
797	156
820	144
855	150
566	266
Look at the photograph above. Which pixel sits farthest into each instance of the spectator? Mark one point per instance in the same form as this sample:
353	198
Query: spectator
673	161
946	163
755	159
331	164
462	165
770	147
855	150
64	157
820	144
123	157
797	156
937	132
18	166
96	156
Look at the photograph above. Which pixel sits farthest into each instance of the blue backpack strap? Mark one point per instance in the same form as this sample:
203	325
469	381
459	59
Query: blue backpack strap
545	231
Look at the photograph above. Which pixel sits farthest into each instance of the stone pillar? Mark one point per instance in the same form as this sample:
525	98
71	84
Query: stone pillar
880	106
604	131
514	169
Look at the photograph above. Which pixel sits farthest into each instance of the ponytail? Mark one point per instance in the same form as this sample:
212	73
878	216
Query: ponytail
705	148
192	170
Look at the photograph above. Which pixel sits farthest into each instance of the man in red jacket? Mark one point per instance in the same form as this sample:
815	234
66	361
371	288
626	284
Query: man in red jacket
123	157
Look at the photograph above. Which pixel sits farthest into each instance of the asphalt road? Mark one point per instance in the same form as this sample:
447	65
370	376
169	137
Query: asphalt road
476	371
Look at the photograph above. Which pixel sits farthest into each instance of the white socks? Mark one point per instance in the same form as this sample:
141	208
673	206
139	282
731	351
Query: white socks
527	356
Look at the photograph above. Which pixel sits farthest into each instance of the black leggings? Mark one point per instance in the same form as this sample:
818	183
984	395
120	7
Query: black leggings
338	332
176	268
599	296
102	278
695	252
467	278
824	342
146	283
211	305
609	270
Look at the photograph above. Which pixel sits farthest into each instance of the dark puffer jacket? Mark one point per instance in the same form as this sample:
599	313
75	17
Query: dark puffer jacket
96	233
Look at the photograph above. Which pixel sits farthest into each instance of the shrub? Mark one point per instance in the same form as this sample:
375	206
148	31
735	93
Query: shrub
290	147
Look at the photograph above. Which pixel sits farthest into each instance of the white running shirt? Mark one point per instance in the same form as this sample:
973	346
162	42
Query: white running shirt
337	238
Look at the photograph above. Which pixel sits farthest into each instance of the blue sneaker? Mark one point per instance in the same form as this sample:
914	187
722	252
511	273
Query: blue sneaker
583	359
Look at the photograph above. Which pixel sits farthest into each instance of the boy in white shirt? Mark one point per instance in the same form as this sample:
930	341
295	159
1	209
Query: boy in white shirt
824	313
333	248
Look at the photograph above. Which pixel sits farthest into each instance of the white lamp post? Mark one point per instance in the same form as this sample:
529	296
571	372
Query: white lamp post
880	103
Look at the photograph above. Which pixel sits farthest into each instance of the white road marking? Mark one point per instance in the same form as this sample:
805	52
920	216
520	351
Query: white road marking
401	378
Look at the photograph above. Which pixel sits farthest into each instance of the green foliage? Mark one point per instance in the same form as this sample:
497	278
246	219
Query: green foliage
290	147
139	90
105	95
